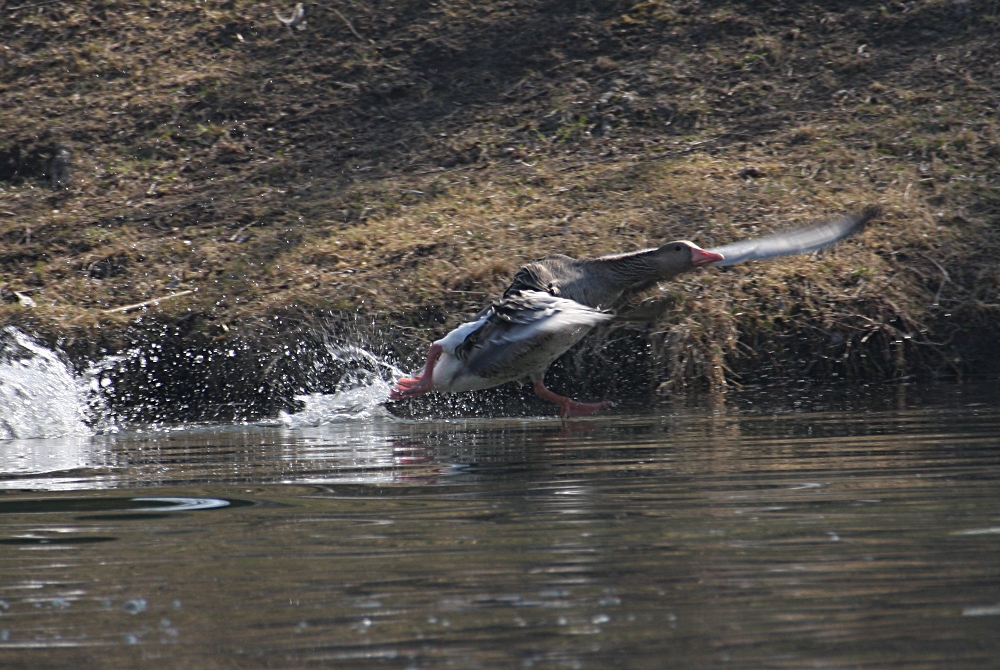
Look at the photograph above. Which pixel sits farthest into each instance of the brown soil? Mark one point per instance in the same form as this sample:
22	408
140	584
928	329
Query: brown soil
401	159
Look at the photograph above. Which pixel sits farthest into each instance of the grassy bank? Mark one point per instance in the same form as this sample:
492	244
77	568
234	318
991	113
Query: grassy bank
400	160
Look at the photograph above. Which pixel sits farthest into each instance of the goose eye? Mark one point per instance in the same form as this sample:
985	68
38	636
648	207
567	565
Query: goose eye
678	248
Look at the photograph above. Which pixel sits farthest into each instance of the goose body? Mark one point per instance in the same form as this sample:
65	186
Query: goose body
516	338
554	302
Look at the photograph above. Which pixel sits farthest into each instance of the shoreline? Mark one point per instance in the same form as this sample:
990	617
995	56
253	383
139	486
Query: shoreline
260	177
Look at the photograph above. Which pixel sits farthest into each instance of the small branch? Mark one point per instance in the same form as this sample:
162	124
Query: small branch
155	301
861	287
509	91
945	279
34	4
349	25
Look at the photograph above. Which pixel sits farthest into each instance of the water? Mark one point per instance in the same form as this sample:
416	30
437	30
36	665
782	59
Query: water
39	395
739	531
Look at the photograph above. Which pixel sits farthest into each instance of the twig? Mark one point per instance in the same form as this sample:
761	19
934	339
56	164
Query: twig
533	96
513	88
945	278
146	303
349	25
34	4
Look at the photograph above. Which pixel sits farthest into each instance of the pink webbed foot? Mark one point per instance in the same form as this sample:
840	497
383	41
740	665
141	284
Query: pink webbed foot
568	408
410	387
572	409
409	383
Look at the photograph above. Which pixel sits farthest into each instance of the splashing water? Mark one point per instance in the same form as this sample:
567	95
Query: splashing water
39	394
42	397
361	393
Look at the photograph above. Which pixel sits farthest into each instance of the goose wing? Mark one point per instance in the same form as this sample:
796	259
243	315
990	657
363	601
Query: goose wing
819	235
522	333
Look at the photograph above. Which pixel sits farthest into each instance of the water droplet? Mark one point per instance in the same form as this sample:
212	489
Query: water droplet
987	610
135	606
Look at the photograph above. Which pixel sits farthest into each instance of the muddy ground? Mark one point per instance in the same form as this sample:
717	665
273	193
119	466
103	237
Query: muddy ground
384	168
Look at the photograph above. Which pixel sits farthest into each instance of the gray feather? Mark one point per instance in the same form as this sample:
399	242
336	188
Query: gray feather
525	332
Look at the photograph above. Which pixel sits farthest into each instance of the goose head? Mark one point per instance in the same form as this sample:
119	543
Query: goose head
679	256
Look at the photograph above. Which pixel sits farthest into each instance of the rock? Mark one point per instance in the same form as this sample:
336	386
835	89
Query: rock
25	300
750	172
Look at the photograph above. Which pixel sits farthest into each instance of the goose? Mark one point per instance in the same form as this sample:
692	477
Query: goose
552	303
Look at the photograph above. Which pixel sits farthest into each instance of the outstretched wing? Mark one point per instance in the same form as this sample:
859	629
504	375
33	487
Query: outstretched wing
818	236
523	333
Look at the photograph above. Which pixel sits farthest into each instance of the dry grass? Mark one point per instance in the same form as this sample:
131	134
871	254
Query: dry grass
408	173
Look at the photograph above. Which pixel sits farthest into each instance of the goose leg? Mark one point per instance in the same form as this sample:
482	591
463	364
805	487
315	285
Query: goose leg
408	387
569	408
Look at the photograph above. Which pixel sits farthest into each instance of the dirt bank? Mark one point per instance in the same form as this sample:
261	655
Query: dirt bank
399	160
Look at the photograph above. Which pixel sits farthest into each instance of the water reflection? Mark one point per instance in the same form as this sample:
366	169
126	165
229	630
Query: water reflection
696	537
57	458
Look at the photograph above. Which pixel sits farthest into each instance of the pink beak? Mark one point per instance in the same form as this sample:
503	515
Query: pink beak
701	257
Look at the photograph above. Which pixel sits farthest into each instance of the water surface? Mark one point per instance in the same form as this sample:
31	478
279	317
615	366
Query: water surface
744	532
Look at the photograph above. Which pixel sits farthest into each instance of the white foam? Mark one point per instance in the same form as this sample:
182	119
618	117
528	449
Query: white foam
40	397
360	394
